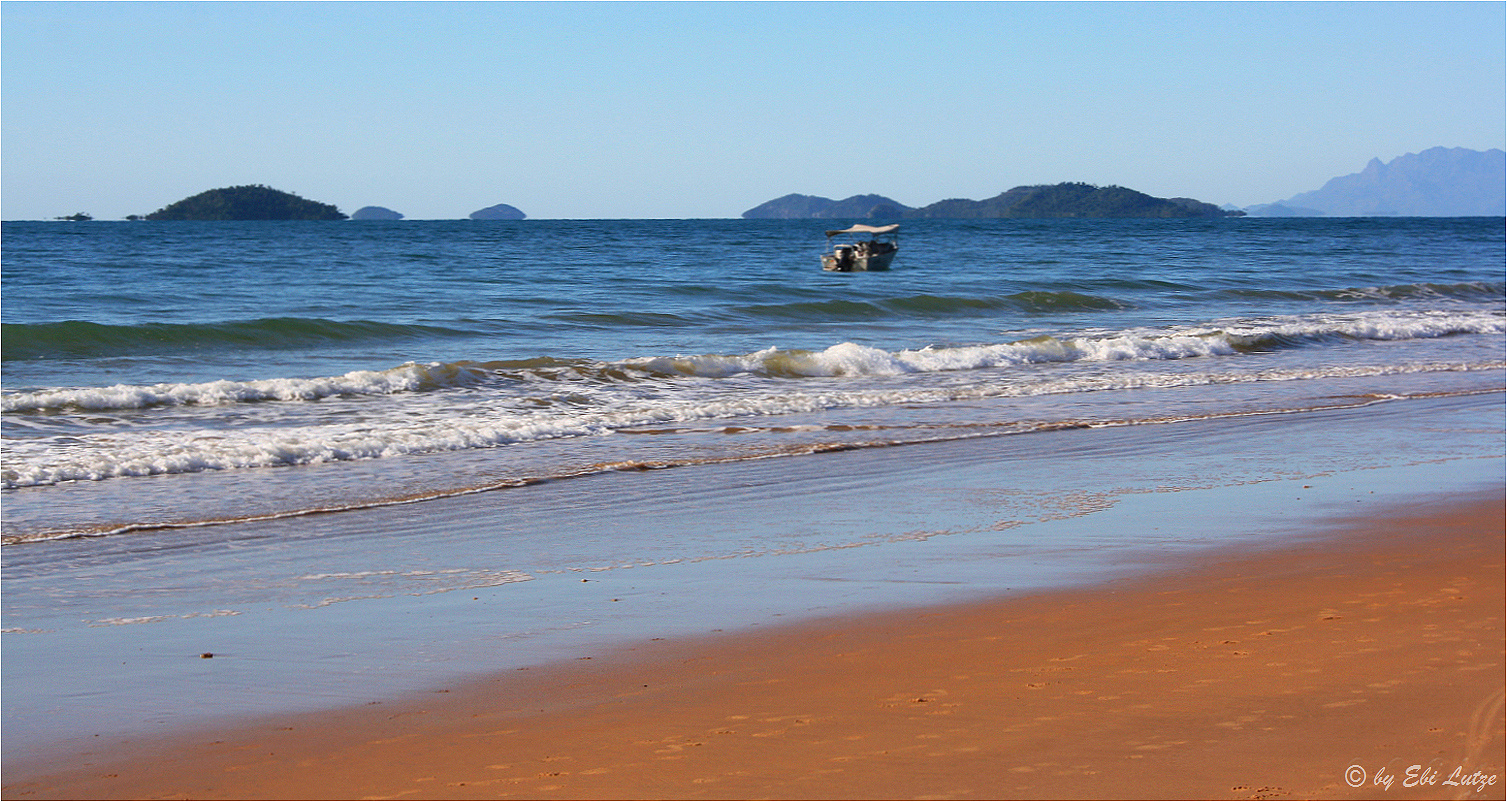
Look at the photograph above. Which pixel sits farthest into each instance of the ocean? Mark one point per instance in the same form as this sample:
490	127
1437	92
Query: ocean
339	435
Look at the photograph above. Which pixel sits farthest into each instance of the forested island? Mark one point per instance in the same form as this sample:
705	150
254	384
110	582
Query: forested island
802	207
251	202
1072	200
1029	202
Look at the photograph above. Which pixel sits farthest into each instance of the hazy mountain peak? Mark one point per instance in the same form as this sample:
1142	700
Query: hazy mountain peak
1438	182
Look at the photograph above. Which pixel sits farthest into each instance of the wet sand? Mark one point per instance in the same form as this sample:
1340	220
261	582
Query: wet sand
1374	651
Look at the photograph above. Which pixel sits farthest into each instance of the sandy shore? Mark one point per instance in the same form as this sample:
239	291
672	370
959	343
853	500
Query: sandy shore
1299	673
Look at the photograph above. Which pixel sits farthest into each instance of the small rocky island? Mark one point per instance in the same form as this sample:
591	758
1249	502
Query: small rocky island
1029	202
501	211
375	213
250	202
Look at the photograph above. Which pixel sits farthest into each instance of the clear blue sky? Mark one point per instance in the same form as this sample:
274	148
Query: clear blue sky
586	110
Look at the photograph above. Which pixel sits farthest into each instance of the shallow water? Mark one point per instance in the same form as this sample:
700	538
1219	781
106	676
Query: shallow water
313	612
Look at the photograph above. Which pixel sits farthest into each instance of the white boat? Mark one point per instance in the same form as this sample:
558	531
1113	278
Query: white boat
874	253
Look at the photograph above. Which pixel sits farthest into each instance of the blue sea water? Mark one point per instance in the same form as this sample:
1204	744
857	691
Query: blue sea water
201	420
540	348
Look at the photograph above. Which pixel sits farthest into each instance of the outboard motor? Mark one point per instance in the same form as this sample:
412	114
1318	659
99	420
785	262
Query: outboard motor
845	257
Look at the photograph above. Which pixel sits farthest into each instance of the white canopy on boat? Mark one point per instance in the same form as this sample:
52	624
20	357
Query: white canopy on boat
863	229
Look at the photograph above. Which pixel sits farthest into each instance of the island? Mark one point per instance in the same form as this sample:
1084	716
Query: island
250	202
798	207
375	213
501	211
1072	200
1027	202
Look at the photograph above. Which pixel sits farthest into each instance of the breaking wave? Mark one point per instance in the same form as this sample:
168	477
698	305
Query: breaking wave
440	429
842	360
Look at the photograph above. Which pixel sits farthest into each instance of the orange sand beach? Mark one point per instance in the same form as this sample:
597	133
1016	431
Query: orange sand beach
1364	664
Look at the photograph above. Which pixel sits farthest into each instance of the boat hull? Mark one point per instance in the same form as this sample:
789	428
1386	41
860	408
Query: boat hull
858	264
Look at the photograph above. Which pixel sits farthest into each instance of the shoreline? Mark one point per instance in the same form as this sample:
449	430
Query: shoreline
1238	672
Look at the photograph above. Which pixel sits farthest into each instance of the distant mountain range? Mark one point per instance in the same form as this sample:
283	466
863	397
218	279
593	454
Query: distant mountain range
1032	202
1439	182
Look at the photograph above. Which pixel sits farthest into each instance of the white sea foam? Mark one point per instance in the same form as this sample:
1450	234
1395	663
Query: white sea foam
1223	338
404	378
392	432
491	405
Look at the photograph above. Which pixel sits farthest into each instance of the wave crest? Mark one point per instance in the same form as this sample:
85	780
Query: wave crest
849	359
549	378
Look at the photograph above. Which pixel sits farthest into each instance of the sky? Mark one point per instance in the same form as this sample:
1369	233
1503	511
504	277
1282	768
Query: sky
704	110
